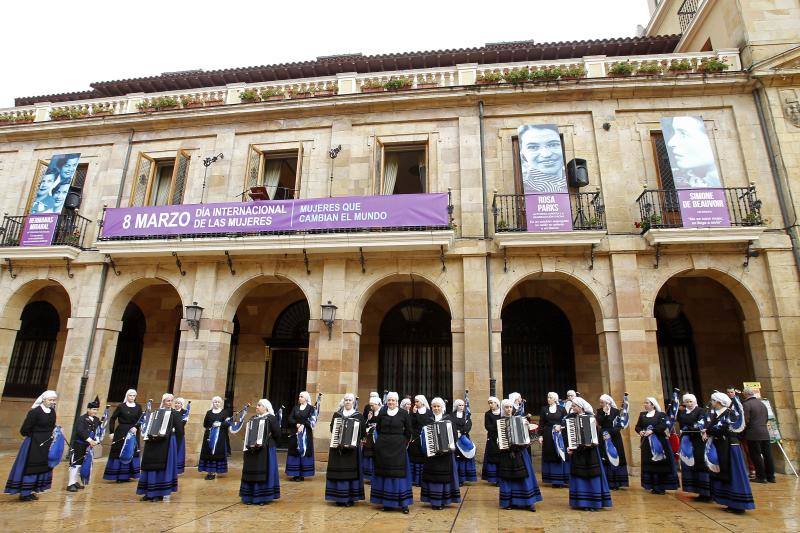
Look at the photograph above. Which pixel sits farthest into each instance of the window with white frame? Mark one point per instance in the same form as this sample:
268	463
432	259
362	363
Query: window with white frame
277	171
403	169
160	181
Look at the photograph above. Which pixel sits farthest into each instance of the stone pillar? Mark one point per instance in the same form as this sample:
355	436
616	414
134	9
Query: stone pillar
105	351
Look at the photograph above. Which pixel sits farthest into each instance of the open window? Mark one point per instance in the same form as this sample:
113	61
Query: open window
273	175
76	186
668	198
403	169
160	181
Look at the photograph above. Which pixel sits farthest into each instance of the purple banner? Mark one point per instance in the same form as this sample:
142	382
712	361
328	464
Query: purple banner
703	208
353	212
39	230
548	212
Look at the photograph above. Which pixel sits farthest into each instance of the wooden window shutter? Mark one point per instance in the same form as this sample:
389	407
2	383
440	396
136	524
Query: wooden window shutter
41	168
298	172
179	177
145	167
254	168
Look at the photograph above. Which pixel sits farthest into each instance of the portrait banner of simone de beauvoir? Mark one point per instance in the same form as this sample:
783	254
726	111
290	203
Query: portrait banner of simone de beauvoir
694	172
544	179
48	201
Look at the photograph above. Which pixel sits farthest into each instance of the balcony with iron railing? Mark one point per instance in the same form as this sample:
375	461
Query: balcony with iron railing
661	222
69	237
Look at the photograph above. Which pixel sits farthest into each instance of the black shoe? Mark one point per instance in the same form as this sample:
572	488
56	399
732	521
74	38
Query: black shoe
25	498
146	498
72	488
734	511
758	480
703	499
248	503
158	499
386	509
507	508
210	476
348	504
262	504
34	496
81	487
301	478
533	509
339	504
405	510
771	480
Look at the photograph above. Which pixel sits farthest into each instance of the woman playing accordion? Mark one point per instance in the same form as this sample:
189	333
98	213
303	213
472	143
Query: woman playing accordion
344	482
462	425
300	457
491	454
658	461
260	475
612	449
439	473
588	487
518	486
214	460
555	464
694	473
391	483
123	421
160	454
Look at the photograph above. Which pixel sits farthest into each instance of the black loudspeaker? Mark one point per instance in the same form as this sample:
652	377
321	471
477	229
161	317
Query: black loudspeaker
73	200
578	173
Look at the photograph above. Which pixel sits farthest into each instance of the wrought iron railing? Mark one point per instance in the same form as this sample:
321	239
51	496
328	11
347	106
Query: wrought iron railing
70	230
588	212
686	13
660	208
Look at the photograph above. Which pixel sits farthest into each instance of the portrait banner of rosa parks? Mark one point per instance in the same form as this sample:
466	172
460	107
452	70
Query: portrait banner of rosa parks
541	159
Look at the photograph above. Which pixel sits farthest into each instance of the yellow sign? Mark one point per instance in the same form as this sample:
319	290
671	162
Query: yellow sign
751	385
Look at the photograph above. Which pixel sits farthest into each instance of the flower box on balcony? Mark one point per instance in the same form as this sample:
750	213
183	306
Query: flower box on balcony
326	92
398	84
431	85
620	70
102	113
192	105
214	102
372	89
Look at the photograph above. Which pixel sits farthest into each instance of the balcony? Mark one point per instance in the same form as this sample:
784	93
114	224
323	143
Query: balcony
345	224
68	240
661	221
512	227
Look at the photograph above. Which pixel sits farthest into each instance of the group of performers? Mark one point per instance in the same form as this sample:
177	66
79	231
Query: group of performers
395	445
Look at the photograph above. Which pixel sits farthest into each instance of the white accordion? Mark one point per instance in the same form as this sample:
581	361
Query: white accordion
158	424
513	431
439	438
581	431
345	433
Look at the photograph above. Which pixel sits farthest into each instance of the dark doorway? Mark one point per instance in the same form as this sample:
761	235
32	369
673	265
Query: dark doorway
32	357
416	351
128	356
677	356
287	361
230	382
538	356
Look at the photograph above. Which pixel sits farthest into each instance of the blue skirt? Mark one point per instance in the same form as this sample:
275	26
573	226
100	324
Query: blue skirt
182	456
392	491
154	483
617	476
367	467
735	493
213	467
695	482
489	471
19	483
440	494
659	481
466	470
266	491
299	466
343	491
116	471
416	474
555	472
589	493
521	492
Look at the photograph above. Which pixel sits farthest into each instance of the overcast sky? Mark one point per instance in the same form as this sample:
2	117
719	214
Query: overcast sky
57	46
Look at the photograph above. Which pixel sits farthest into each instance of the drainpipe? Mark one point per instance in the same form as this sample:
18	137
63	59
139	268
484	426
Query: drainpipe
485	188
788	212
99	303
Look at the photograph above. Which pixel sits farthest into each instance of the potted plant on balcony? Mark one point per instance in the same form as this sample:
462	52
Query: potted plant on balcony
213	100
502	225
517	76
573	73
620	69
60	113
489	77
547	74
6	119
269	94
372	86
165	103
24	117
653	68
648	221
330	89
102	110
191	102
301	91
753	218
146	106
249	96
680	66
712	65
398	84
428	81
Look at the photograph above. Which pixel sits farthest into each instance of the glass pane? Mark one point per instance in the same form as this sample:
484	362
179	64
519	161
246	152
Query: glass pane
160	193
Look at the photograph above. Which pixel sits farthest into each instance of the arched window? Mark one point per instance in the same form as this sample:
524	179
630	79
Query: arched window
128	357
32	357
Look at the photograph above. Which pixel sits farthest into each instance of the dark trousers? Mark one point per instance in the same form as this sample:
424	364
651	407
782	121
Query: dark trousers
761	455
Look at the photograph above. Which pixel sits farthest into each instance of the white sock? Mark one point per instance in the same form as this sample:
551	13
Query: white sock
74	472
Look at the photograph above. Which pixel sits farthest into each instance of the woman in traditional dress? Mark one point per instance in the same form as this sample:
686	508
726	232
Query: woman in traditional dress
160	459
519	409
439	473
658	461
31	472
302	419
368	449
260	475
344	482
405	404
122	422
368	407
518	486
391	483
555	469
179	406
617	475
421	416
694	478
588	487
83	440
215	461
731	485
462	425
491	454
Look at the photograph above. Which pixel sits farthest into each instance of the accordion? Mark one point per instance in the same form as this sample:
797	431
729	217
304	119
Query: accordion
254	433
158	424
581	431
345	432
439	438
513	431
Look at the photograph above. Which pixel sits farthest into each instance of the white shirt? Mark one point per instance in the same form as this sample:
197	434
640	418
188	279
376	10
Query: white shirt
345	412
459	414
132	404
422	410
392	412
216	411
552	408
651	414
436	418
303	407
495	412
45	409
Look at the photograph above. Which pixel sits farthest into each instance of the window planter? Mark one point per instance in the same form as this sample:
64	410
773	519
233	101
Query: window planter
212	103
192	105
372	89
325	93
427	85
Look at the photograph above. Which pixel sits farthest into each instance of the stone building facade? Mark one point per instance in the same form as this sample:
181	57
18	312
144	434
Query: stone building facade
629	301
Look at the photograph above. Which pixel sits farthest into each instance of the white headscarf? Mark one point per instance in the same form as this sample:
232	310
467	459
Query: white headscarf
425	405
583	404
495	399
515	397
654	402
266	403
345	412
722	398
389	396
164	397
405	402
307	396
181	400
608	399
440	402
456	403
690	396
45	395
130	391
215	411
